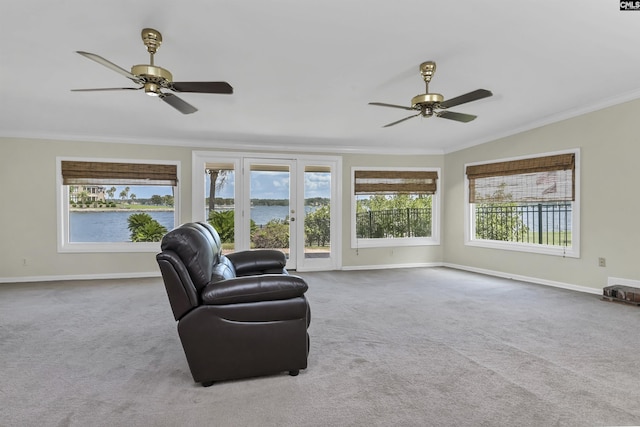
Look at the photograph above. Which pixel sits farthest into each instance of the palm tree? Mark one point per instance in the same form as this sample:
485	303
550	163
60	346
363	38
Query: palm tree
144	228
124	193
111	192
218	180
133	197
83	196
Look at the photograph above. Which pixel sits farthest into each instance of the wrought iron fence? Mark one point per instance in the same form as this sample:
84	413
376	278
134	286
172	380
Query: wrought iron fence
544	224
394	223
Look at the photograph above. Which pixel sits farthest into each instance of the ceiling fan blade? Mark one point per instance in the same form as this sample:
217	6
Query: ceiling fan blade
458	117
100	60
382	104
401	120
177	103
202	87
467	97
106	89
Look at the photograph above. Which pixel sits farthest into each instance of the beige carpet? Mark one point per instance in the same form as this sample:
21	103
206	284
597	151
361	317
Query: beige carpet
405	347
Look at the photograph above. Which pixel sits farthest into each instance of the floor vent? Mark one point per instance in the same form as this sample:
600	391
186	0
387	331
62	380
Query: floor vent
621	293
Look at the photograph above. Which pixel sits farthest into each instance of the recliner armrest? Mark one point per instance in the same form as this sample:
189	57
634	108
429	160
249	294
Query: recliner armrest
259	261
266	287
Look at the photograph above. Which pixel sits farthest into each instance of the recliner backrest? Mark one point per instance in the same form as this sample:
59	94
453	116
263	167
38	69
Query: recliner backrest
215	239
194	248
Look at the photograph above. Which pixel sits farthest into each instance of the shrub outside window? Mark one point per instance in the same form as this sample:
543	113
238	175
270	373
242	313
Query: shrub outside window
527	204
394	207
113	206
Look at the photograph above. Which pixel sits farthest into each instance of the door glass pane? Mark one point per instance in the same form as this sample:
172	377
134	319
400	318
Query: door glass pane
317	201
270	207
220	202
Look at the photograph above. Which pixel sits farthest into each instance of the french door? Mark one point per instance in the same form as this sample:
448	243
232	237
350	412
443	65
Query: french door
287	204
270	206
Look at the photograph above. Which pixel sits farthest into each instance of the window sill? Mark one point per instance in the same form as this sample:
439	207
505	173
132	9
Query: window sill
122	247
385	243
568	252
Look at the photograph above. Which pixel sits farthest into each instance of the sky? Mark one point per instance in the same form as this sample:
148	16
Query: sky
264	185
275	185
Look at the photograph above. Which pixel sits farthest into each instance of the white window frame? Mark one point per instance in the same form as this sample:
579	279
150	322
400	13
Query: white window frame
62	208
469	216
434	240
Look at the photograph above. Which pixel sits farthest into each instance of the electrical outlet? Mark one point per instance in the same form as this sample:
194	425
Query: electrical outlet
602	262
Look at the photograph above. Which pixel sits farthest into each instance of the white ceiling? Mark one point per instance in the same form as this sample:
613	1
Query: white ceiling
304	71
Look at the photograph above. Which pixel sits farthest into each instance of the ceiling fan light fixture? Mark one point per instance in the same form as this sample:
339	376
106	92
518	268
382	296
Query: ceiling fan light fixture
152	89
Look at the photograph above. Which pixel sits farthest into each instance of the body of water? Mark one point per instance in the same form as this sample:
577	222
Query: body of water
108	226
111	226
263	214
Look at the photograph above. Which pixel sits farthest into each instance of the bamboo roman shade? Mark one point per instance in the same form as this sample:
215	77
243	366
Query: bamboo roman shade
537	179
107	173
394	182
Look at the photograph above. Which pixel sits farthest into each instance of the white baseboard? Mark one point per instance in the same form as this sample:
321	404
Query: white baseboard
625	282
387	266
26	279
536	280
610	280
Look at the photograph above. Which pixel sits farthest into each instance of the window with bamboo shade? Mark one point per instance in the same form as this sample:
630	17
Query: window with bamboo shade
394	206
112	206
526	204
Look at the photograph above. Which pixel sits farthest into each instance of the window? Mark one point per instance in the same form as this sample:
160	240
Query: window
527	204
111	206
394	207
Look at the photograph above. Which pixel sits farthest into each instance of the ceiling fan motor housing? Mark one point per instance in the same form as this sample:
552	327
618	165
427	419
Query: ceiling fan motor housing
429	99
154	77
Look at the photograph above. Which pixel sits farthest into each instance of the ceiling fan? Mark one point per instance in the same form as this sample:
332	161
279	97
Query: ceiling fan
154	79
429	104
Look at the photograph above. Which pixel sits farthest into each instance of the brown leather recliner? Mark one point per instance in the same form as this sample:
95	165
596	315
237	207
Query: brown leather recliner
240	315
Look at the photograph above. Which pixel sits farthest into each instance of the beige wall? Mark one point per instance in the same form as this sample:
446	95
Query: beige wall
610	149
29	217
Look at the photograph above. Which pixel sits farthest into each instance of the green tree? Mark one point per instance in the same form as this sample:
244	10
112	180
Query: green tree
498	218
398	215
150	232
133	197
111	192
124	194
168	200
317	227
274	234
156	200
144	228
223	222
83	197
